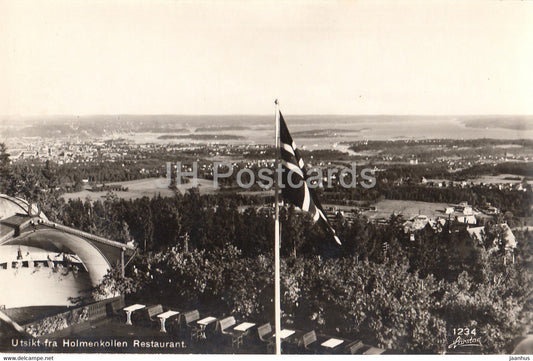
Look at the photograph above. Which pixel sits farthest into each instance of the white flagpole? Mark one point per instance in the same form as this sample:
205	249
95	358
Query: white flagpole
277	303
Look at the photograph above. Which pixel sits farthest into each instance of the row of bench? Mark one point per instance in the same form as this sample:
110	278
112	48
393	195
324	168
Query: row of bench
188	325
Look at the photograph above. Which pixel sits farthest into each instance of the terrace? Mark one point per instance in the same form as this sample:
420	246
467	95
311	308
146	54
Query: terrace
110	326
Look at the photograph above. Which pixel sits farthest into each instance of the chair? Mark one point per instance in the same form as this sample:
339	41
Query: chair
374	351
189	317
114	309
224	325
150	314
187	322
265	334
309	342
354	347
223	328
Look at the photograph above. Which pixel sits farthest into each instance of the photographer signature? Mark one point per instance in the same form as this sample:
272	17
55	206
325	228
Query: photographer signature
464	342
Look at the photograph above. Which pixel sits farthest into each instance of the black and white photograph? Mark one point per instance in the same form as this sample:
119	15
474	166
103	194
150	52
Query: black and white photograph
266	178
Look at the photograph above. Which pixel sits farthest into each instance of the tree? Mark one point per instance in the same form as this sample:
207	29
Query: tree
408	301
494	314
4	169
292	230
382	303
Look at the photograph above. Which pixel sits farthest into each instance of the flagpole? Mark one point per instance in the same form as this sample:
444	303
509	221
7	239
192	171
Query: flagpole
277	303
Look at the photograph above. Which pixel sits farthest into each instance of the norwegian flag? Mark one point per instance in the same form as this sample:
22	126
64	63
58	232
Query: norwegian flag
295	189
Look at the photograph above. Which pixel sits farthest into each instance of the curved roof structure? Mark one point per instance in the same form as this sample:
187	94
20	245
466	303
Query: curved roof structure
11	206
23	225
56	241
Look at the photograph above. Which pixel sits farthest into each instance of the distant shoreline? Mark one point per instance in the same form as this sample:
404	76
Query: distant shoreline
308	130
512	124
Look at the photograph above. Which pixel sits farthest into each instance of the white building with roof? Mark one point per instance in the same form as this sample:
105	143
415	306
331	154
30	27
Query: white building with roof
43	263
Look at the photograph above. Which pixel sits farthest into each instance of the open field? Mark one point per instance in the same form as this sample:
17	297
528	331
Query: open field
408	209
149	187
489	179
499	179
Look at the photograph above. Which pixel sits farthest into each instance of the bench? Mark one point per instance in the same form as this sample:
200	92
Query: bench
224	328
153	311
150	314
354	347
265	334
309	341
225	324
187	323
114	309
183	322
189	317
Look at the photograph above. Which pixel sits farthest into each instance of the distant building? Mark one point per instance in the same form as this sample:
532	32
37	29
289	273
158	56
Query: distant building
468	210
439	224
466	219
508	237
416	223
491	210
464	208
477	233
509	240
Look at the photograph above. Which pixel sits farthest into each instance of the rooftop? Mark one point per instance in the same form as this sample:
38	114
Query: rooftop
11	206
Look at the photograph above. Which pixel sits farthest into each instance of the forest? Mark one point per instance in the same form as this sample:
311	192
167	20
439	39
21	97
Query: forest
215	253
203	252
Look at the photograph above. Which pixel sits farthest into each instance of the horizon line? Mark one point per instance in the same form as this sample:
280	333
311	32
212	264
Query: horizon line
269	114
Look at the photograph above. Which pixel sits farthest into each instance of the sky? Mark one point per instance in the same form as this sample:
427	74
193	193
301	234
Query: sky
235	57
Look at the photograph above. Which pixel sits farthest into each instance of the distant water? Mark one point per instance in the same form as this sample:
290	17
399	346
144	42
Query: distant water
324	131
311	131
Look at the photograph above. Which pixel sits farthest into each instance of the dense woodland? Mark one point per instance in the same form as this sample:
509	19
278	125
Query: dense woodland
215	253
431	150
379	286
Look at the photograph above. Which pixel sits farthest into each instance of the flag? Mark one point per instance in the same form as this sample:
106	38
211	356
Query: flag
295	189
